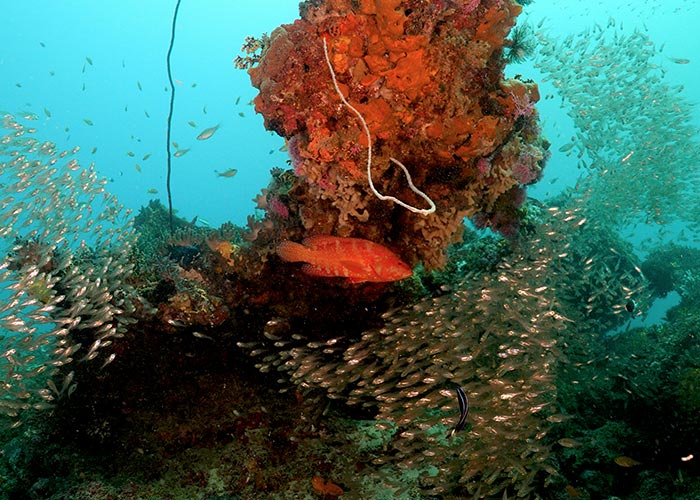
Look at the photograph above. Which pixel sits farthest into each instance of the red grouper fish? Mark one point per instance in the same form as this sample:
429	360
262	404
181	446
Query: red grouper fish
353	258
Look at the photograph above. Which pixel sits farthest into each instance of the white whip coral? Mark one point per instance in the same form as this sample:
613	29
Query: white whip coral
383	197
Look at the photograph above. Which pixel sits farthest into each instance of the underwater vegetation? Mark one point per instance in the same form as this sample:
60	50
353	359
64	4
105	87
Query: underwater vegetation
352	342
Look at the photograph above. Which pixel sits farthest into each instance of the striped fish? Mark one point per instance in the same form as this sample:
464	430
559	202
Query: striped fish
463	411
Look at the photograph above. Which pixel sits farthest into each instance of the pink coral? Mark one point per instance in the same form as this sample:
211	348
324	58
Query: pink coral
526	169
471	5
484	166
295	154
524	172
278	207
523	105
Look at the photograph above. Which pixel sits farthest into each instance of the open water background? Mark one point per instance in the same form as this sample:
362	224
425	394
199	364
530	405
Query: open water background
44	69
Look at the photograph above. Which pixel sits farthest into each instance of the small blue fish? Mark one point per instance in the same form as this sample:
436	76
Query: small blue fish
463	411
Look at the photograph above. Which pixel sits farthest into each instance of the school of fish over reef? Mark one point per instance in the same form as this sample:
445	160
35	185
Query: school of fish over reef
330	348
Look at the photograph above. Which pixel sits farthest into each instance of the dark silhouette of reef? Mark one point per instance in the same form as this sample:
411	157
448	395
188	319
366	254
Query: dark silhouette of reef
182	408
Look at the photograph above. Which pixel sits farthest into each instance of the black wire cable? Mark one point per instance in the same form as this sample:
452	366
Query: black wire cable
170	115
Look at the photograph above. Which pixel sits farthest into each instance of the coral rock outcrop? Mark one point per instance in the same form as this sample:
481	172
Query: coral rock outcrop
428	79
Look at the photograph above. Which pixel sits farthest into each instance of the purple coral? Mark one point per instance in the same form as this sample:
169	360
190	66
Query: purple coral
526	169
295	154
523	105
278	207
484	166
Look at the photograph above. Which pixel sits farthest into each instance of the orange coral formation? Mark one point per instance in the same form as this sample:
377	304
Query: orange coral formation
427	78
225	249
326	488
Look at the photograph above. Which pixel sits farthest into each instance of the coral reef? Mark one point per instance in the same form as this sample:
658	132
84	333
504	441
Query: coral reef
668	267
223	372
495	336
511	324
427	80
624	391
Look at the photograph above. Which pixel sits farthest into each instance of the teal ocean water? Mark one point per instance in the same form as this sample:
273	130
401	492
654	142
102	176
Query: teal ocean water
556	357
46	67
105	62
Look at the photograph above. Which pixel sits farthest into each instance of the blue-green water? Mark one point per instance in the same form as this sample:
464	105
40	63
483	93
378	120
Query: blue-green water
45	53
93	74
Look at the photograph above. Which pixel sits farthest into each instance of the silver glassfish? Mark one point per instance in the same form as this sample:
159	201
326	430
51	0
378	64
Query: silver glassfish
207	132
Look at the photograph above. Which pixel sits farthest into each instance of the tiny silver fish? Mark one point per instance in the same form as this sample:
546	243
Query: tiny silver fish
228	173
207	132
109	360
201	336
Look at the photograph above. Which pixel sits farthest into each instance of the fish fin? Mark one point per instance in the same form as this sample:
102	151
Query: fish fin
292	252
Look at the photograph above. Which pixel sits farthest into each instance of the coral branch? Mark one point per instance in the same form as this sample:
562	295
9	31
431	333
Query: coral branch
383	197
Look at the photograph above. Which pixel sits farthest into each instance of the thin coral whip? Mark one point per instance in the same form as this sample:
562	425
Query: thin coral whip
421	211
